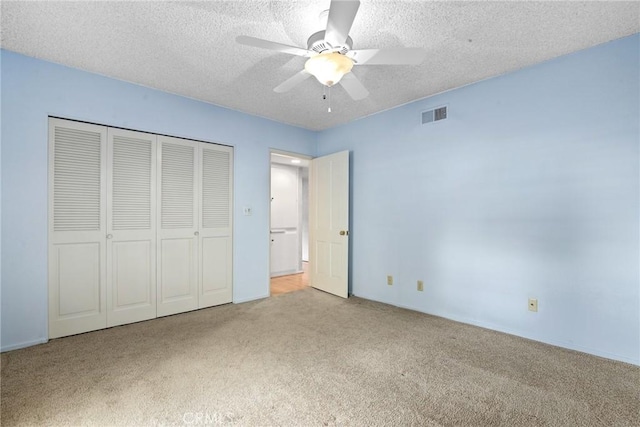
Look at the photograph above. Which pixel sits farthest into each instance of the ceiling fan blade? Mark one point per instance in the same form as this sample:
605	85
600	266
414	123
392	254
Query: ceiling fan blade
354	87
288	84
341	16
266	44
401	56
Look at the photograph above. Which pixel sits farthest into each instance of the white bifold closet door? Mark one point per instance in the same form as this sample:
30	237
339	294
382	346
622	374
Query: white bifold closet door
215	248
131	226
77	228
194	235
178	225
140	226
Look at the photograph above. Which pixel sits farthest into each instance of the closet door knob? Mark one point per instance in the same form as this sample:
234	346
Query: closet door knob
196	233
109	236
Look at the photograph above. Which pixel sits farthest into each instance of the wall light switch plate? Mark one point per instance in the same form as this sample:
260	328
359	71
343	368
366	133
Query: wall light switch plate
533	304
247	211
420	285
389	280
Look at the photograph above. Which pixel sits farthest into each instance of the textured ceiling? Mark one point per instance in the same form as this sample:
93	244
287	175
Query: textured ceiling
189	48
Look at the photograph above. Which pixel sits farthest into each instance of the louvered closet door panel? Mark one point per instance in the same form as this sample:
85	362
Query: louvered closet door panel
216	181
77	183
131	227
178	167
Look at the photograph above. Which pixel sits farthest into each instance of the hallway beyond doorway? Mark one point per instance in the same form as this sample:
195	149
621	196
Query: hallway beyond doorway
290	283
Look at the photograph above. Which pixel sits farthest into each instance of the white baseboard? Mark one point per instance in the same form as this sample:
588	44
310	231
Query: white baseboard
241	300
23	345
286	273
557	343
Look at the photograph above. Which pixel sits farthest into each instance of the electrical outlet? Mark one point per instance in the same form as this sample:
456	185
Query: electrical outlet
533	304
389	280
420	285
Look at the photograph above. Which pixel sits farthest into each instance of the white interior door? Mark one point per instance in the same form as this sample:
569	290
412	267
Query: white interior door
77	189
328	223
131	226
216	213
177	252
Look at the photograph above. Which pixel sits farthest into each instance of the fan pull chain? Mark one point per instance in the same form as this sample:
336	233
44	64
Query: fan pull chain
324	96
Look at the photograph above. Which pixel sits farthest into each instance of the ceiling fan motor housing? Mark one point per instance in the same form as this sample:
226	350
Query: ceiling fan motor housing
317	43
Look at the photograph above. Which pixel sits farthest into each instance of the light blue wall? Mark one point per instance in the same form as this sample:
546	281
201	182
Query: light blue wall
0	195
529	189
32	90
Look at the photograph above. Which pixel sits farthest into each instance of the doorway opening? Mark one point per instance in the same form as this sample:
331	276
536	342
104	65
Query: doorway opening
289	223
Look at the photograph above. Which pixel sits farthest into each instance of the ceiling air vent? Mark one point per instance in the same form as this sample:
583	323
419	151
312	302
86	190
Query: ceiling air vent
434	115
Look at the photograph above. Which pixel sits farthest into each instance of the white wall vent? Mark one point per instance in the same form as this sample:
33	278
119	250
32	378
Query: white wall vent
434	115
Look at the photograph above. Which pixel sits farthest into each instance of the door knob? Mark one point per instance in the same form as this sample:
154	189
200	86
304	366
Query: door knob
344	233
196	233
109	236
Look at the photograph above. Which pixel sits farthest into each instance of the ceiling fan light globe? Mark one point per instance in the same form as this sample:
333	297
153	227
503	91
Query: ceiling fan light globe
328	68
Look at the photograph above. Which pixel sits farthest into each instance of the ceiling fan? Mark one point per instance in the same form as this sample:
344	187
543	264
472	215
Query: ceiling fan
330	53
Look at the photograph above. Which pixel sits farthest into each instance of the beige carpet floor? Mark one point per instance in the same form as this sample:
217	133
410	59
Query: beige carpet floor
306	359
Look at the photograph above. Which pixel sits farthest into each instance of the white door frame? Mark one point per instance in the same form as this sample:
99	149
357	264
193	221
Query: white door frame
284	153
